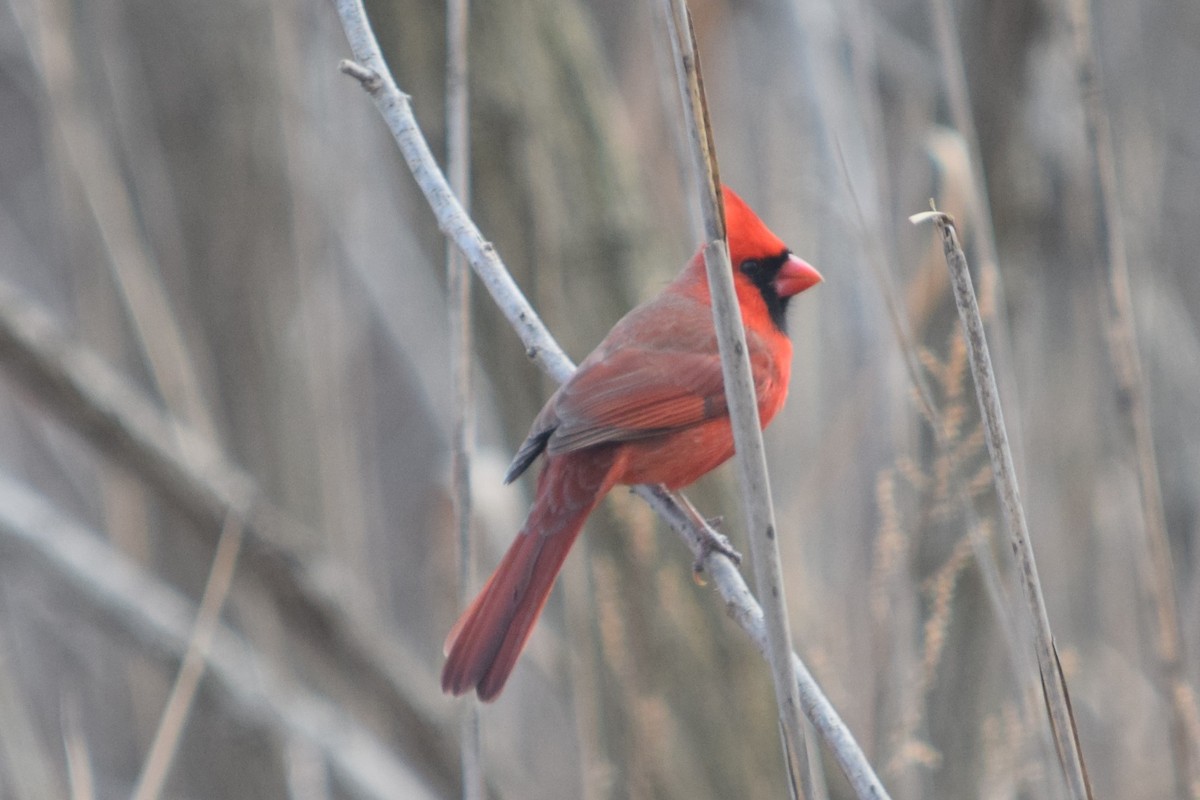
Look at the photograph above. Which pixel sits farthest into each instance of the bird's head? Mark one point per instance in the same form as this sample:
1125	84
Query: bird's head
760	260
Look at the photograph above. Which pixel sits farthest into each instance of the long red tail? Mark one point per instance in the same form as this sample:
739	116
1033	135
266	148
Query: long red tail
483	645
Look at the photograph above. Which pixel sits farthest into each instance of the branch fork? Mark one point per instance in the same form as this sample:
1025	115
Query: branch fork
369	78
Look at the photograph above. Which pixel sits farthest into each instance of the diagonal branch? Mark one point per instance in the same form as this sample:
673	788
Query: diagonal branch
372	73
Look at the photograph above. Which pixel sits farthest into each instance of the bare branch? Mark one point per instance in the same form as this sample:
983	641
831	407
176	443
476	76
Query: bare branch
743	608
371	71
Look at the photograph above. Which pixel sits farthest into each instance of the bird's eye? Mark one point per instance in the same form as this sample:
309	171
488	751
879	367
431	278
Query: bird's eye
750	266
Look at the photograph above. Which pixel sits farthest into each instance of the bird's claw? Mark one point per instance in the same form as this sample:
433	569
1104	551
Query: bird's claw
713	542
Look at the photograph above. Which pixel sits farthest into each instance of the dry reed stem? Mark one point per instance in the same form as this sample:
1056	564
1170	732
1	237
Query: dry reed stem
370	70
738	378
888	589
179	703
585	668
951	453
1157	568
1053	682
325	337
458	295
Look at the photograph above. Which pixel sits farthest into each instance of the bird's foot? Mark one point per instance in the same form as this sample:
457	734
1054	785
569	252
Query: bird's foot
712	541
708	539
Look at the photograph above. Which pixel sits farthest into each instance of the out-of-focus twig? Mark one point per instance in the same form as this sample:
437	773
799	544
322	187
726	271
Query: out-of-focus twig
1157	570
120	594
1053	683
372	73
179	702
751	455
458	296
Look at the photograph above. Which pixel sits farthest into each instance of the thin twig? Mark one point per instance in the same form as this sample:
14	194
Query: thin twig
372	73
740	394
1053	683
1158	572
179	702
458	291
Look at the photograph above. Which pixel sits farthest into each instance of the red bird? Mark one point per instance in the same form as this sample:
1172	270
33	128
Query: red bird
647	406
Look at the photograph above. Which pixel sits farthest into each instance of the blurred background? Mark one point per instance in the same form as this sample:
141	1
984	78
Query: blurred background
222	289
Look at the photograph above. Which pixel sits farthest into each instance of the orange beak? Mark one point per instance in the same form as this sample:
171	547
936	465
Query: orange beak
795	276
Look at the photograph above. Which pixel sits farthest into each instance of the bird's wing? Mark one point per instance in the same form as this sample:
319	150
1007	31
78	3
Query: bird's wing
657	371
636	392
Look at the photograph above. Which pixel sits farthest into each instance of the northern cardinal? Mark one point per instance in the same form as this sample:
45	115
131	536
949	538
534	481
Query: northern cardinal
647	406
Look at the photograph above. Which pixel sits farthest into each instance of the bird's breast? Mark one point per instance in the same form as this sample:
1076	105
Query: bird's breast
679	458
